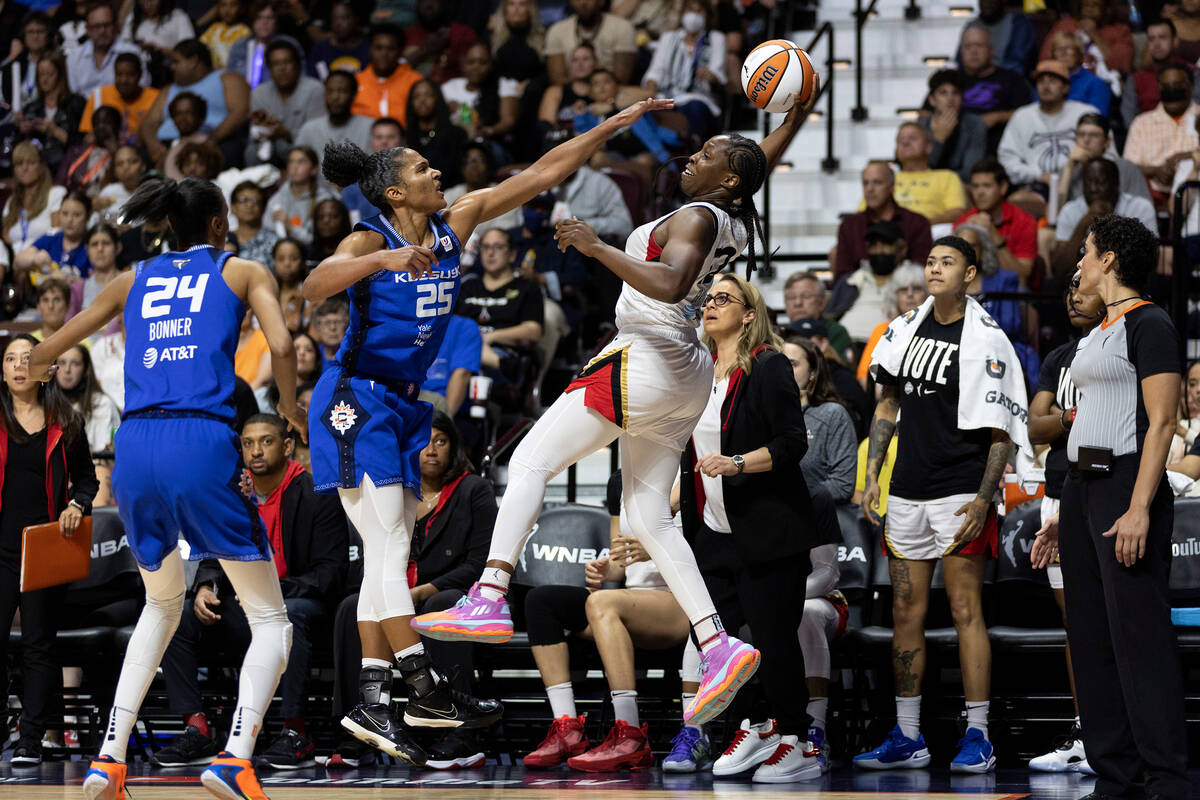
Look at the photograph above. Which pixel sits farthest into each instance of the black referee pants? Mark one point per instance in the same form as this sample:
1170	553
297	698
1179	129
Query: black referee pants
770	599
1123	647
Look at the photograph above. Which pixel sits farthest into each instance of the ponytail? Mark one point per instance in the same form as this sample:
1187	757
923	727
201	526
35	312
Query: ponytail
188	206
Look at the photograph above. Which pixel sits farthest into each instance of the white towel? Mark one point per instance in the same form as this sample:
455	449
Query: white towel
991	383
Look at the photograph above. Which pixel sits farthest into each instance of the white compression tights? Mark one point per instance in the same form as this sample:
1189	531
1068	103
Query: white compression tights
384	517
257	586
817	628
567	432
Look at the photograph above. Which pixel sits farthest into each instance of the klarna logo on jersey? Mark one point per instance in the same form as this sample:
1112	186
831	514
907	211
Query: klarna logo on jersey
155	355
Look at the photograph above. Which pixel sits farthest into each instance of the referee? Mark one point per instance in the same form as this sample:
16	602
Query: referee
1115	525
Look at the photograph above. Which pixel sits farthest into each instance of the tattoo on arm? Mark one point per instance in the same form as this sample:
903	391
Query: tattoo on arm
883	428
997	459
902	668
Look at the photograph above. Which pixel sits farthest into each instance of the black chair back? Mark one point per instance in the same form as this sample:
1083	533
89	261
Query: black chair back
564	539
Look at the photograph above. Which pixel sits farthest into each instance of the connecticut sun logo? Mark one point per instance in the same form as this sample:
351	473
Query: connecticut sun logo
342	417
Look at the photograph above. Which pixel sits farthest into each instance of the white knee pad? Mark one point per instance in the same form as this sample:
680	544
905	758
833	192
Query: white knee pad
271	624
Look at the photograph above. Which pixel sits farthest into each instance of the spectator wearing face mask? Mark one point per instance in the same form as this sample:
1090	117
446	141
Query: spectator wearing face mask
689	65
858	299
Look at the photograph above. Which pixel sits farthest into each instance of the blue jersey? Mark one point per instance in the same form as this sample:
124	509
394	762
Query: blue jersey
397	324
181	333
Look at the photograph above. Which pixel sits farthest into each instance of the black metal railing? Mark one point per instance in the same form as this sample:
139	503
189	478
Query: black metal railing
912	12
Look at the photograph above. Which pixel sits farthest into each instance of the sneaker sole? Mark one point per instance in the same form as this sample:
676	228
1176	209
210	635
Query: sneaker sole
725	771
1057	767
466	762
682	766
645	761
99	789
378	742
807	773
975	769
724	694
25	762
311	762
457	633
441	722
920	762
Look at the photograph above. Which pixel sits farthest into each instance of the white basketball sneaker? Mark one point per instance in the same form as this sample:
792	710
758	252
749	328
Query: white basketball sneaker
751	746
792	761
1069	756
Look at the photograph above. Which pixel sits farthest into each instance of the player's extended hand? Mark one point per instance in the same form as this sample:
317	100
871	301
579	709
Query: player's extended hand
206	601
1045	544
418	262
68	521
576	233
798	112
976	513
716	465
633	113
1130	529
297	417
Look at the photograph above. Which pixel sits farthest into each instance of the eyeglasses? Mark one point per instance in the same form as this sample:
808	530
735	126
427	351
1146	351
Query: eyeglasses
722	299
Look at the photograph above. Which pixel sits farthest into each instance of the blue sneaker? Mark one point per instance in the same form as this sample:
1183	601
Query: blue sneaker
816	737
897	752
690	751
975	753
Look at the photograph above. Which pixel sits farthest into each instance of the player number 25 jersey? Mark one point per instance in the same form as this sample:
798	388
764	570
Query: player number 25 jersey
636	309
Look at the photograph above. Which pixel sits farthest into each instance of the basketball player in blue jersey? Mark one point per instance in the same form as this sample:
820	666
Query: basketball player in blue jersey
401	270
648	388
178	464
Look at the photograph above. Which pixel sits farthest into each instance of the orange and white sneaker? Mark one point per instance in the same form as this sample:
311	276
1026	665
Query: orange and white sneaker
105	780
232	778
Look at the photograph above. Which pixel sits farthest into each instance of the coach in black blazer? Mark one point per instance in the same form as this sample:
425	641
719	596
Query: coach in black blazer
746	508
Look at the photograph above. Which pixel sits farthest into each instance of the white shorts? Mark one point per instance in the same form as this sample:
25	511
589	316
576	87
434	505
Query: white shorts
1053	571
924	530
650	383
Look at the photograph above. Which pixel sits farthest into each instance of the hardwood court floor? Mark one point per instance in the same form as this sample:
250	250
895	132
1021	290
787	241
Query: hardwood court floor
61	781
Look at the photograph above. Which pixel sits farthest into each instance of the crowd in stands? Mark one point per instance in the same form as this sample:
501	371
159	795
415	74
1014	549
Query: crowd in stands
1044	123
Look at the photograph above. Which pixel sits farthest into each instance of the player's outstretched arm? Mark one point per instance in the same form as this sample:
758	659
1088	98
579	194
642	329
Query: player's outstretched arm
360	254
262	295
777	141
109	303
690	235
547	172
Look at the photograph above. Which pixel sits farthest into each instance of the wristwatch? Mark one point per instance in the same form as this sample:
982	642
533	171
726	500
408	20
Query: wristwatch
740	463
76	503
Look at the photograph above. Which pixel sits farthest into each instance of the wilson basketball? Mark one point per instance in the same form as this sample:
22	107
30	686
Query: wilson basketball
775	72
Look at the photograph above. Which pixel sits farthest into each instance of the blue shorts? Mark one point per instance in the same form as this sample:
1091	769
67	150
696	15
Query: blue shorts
175	475
358	426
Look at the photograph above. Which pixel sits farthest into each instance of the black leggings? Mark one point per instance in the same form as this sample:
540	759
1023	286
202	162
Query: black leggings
552	610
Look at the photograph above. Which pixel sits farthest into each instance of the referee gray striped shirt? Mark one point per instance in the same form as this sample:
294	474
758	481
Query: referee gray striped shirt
1108	370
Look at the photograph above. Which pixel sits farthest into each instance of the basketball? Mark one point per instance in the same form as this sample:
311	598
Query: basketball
775	72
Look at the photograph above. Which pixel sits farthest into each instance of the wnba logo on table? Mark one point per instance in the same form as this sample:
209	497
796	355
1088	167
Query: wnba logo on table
150	357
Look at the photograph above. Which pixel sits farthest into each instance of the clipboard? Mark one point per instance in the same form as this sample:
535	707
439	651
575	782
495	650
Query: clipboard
50	559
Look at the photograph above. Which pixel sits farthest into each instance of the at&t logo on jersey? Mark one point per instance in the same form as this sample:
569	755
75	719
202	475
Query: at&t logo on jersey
342	417
154	356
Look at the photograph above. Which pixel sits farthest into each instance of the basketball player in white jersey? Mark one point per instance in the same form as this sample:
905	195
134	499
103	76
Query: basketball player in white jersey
648	387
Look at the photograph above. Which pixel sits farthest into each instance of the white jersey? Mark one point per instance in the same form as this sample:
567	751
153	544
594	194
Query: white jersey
635	309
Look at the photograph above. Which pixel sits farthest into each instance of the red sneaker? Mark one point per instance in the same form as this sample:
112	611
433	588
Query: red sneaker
625	747
565	739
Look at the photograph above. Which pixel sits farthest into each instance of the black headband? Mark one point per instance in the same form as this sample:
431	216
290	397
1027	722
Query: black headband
961	245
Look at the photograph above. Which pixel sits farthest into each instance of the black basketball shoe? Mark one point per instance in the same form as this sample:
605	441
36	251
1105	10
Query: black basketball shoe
373	724
433	704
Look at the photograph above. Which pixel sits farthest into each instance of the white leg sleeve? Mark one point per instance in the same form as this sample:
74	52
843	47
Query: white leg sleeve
384	517
257	586
691	663
648	472
165	589
567	432
818	625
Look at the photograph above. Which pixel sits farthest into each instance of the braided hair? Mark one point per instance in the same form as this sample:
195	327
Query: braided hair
749	163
